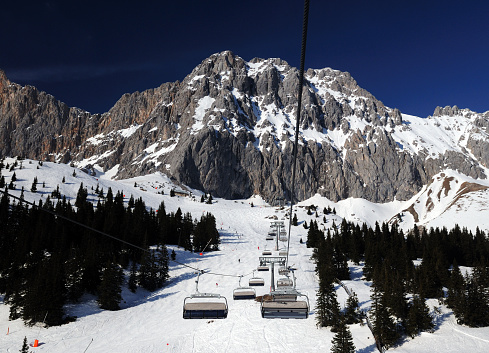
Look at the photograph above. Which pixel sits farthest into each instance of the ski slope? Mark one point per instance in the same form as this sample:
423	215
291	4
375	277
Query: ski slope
152	322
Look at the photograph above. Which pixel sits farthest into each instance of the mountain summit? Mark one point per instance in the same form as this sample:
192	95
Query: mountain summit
228	129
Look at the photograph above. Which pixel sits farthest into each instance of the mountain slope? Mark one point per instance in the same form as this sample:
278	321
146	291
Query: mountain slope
228	128
152	322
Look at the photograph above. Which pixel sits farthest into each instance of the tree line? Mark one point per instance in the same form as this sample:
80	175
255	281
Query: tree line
48	261
405	270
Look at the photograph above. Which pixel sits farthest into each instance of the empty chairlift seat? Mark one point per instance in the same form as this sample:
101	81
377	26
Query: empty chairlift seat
283	271
266	252
285	282
256	281
282	253
262	267
244	293
285	305
205	306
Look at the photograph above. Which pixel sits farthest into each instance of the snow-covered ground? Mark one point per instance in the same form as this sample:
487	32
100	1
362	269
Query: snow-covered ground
152	322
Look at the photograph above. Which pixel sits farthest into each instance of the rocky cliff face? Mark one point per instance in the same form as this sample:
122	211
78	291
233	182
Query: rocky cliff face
228	129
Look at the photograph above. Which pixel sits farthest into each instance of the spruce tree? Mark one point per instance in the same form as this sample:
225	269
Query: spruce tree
34	185
419	318
343	340
109	290
456	292
25	346
352	312
294	220
384	326
132	282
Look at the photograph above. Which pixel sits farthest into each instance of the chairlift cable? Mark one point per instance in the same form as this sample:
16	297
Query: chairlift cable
298	117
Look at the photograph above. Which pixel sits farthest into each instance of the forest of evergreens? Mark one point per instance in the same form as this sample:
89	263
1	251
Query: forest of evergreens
400	286
47	261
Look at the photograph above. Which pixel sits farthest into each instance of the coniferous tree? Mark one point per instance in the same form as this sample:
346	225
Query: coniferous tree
419	318
384	326
25	346
132	282
2	182
14	177
109	290
456	292
342	340
34	185
352	311
206	236
294	220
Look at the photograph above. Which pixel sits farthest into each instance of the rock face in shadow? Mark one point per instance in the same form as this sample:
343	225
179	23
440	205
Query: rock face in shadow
228	129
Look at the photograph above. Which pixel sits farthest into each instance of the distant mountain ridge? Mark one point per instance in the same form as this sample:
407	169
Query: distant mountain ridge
228	129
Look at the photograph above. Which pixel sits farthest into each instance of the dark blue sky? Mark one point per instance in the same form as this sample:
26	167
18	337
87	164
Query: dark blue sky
412	55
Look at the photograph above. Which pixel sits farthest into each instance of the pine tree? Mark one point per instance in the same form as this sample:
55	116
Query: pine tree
34	185
456	292
14	177
25	346
343	340
384	326
2	182
209	200
419	318
294	220
109	290
352	313
132	282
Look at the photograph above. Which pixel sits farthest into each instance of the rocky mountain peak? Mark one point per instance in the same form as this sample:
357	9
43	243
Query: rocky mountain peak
228	129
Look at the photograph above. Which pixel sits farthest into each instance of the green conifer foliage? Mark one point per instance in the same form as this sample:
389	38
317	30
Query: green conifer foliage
109	290
343	340
25	346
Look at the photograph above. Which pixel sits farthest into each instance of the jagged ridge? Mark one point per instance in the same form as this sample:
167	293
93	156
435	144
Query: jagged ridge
228	128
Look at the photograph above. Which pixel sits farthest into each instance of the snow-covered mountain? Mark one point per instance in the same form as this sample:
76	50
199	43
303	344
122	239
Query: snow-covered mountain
152	322
228	128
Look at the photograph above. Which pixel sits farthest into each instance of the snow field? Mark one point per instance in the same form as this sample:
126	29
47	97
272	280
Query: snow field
152	322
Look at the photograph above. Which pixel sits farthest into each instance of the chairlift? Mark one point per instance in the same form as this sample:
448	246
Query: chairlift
204	305
285	305
283	271
256	281
262	267
244	292
283	237
269	237
285	282
266	252
282	253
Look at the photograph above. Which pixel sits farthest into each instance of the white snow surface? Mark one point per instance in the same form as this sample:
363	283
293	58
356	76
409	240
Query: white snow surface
152	322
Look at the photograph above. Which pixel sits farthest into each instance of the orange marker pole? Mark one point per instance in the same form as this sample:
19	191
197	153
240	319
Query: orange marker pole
36	343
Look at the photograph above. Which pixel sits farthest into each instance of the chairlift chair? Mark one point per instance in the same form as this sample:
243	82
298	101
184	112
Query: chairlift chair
283	237
285	282
256	281
282	253
244	292
283	271
266	252
285	305
262	267
204	305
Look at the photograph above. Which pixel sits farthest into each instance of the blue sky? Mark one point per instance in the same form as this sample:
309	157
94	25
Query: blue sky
412	55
